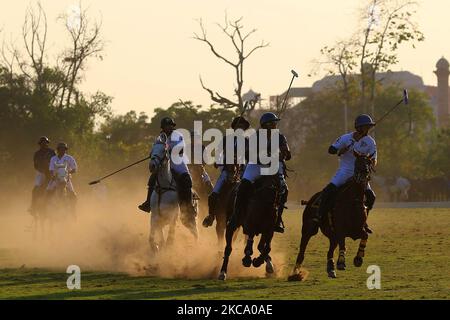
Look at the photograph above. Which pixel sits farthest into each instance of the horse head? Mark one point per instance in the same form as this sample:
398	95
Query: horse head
61	175
363	167
160	153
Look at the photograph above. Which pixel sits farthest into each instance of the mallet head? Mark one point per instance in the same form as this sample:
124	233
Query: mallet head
94	182
405	96
294	73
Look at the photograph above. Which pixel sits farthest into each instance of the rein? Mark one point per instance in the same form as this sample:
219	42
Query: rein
158	188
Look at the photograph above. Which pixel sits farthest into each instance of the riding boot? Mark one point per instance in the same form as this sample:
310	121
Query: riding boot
240	204
212	204
184	186
370	200
326	202
279	226
145	206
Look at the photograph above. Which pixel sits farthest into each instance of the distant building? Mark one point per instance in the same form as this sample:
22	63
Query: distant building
439	95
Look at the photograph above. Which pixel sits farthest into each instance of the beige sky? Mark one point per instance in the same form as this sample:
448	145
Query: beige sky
151	59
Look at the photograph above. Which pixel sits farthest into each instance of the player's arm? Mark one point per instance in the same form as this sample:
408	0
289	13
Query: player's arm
338	147
51	168
332	150
73	166
36	164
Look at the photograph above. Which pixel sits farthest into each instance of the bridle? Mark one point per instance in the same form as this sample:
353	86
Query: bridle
363	168
158	161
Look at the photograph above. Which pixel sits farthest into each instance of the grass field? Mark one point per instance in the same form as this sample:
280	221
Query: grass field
411	246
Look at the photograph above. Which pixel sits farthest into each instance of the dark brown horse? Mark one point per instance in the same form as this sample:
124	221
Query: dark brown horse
346	219
259	218
225	201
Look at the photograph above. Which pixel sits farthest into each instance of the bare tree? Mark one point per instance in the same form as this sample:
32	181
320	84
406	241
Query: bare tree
59	80
389	24
341	57
34	34
234	31
85	43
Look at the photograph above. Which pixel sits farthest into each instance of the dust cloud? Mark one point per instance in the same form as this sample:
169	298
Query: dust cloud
111	234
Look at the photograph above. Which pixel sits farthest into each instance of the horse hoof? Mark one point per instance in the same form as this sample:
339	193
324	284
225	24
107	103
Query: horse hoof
269	267
358	261
247	261
257	262
332	274
222	276
340	265
296	277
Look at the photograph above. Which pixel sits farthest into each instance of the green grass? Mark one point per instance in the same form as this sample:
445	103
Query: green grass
411	246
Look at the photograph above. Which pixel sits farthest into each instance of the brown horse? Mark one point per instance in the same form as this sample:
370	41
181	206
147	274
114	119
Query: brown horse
346	219
259	218
225	201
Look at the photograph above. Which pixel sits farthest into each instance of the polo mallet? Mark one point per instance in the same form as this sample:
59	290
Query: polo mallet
294	75
117	171
404	100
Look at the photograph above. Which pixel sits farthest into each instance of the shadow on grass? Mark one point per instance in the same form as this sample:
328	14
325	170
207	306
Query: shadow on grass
125	294
52	285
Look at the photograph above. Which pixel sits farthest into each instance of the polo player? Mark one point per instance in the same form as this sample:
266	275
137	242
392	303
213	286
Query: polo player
344	146
180	171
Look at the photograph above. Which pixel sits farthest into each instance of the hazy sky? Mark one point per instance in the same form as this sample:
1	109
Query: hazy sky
151	59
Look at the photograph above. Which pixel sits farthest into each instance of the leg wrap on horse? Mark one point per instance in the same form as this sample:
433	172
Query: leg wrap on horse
370	199
327	199
240	204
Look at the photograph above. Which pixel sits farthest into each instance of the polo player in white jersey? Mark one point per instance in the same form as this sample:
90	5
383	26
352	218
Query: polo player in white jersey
344	146
62	166
180	170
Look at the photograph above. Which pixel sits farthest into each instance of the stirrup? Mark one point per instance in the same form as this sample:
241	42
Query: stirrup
145	207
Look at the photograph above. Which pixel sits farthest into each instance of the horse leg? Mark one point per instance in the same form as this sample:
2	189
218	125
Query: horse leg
171	233
264	248
296	274
341	259
358	260
330	261
270	268
220	230
154	225
227	252
248	251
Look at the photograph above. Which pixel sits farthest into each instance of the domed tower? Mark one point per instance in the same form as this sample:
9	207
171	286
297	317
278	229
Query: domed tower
443	111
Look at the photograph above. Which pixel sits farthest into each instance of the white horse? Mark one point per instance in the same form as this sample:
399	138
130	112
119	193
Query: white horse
164	199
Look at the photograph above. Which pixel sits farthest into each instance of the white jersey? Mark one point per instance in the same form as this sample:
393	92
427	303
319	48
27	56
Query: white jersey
365	146
61	168
66	162
179	162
